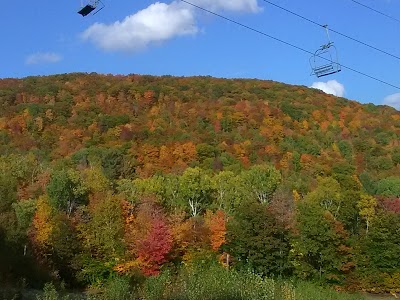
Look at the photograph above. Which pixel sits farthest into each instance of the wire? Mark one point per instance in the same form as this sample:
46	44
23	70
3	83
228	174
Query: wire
286	43
337	32
377	11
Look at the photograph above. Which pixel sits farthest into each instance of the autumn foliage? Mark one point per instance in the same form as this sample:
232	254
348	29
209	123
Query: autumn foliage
107	176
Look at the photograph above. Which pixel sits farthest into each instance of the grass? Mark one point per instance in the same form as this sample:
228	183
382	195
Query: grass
216	283
213	283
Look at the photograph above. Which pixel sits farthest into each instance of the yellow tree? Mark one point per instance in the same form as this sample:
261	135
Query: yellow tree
367	209
42	224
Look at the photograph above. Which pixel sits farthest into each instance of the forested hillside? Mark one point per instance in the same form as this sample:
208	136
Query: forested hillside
107	176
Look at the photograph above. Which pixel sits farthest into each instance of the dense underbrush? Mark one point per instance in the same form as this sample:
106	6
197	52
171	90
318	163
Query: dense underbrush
211	283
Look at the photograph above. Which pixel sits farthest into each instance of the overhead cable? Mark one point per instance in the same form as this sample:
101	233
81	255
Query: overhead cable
335	31
377	11
287	43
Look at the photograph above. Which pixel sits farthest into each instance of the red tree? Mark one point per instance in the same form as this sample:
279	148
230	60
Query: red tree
392	205
154	249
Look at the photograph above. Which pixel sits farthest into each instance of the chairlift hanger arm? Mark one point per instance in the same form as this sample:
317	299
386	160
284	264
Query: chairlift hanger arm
327	33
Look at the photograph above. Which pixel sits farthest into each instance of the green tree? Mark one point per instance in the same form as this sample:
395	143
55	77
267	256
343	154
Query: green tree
327	195
368	183
65	248
106	227
345	149
66	190
262	181
257	240
112	162
389	187
8	191
24	211
205	151
396	156
195	191
320	244
20	167
382	244
349	212
101	236
228	190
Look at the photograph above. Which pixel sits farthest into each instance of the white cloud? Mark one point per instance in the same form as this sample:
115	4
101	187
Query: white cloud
330	87
157	23
43	58
393	100
231	5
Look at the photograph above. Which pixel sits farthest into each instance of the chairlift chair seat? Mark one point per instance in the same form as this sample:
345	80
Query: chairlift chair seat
326	70
324	61
87	9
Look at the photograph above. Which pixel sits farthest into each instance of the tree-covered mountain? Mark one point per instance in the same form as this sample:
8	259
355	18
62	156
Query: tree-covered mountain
107	175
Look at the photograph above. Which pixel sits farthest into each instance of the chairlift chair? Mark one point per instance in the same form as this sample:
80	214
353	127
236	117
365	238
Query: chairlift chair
325	60
92	7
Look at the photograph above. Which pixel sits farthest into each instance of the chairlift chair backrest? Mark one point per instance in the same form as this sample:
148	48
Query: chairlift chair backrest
87	9
325	61
92	6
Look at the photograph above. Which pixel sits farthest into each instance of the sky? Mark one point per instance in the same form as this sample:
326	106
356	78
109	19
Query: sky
174	38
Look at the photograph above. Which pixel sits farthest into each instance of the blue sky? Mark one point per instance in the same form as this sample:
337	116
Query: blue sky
172	38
